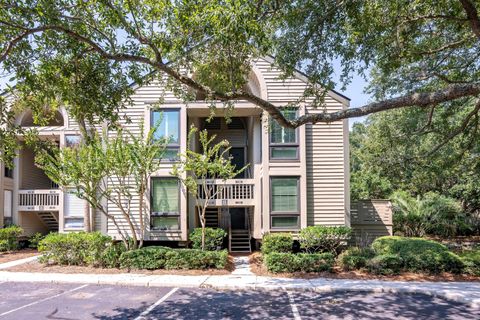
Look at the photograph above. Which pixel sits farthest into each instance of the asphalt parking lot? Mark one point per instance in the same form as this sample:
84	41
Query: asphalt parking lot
75	301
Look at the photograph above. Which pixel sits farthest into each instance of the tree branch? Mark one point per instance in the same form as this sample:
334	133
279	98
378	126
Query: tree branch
472	15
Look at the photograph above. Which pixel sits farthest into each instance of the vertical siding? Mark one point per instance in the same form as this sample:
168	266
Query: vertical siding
326	152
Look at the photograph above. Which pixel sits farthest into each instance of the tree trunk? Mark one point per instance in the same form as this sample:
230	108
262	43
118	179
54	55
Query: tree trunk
202	221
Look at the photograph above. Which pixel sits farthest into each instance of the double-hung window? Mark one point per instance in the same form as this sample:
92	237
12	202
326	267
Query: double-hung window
165	204
168	127
285	202
284	141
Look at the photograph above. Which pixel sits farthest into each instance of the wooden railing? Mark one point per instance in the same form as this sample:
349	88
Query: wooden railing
39	200
233	192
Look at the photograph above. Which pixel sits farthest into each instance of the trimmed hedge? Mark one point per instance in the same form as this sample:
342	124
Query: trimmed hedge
302	262
9	238
149	258
196	259
76	248
419	255
355	258
323	238
152	258
277	242
386	264
471	261
213	238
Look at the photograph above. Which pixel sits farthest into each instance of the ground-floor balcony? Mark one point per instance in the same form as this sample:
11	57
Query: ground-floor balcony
39	200
231	193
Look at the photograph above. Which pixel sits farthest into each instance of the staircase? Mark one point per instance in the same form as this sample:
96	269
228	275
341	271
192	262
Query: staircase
49	219
211	217
240	241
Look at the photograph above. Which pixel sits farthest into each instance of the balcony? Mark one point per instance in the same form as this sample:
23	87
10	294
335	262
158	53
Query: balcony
231	193
39	200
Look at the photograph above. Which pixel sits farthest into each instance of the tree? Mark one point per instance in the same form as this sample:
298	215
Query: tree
116	169
196	169
419	53
396	150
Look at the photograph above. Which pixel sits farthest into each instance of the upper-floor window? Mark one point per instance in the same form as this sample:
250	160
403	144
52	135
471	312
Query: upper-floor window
168	121
165	204
8	172
285	202
283	141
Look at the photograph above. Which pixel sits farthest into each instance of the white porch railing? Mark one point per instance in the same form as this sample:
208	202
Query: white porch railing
39	200
233	192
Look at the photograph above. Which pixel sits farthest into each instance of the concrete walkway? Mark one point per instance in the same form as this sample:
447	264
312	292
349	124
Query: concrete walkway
242	266
14	263
465	292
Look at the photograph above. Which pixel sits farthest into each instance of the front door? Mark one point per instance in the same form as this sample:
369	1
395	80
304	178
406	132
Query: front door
237	218
238	159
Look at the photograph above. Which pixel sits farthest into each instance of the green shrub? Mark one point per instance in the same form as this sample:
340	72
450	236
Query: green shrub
111	255
471	261
9	238
152	258
149	258
196	259
386	264
213	238
35	240
76	248
277	242
304	262
355	258
419	254
323	239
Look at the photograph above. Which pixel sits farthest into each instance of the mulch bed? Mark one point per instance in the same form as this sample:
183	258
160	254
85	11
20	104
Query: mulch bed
42	268
259	269
17	255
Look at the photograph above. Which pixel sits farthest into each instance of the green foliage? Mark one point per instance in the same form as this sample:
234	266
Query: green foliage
34	240
355	258
277	242
196	259
471	260
76	248
149	258
419	255
431	214
303	262
213	238
323	239
385	264
110	257
9	238
126	157
152	258
195	168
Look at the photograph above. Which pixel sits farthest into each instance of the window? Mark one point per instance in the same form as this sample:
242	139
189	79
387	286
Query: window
7	207
283	141
168	121
74	210
72	141
8	172
165	204
285	202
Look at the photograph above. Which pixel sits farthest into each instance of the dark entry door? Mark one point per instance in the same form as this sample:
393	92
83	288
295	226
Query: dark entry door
238	159
237	216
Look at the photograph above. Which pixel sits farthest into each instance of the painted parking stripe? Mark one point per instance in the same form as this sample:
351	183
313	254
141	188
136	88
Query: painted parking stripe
156	304
293	305
42	300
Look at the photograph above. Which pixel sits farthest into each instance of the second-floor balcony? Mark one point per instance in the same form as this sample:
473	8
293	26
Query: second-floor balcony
231	193
39	200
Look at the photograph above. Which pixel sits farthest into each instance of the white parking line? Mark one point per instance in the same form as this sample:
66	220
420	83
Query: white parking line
153	306
42	300
293	305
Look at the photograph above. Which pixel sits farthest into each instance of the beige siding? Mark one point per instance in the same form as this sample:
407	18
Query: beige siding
371	219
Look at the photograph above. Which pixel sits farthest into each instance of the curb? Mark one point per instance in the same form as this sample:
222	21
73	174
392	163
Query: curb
232	282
